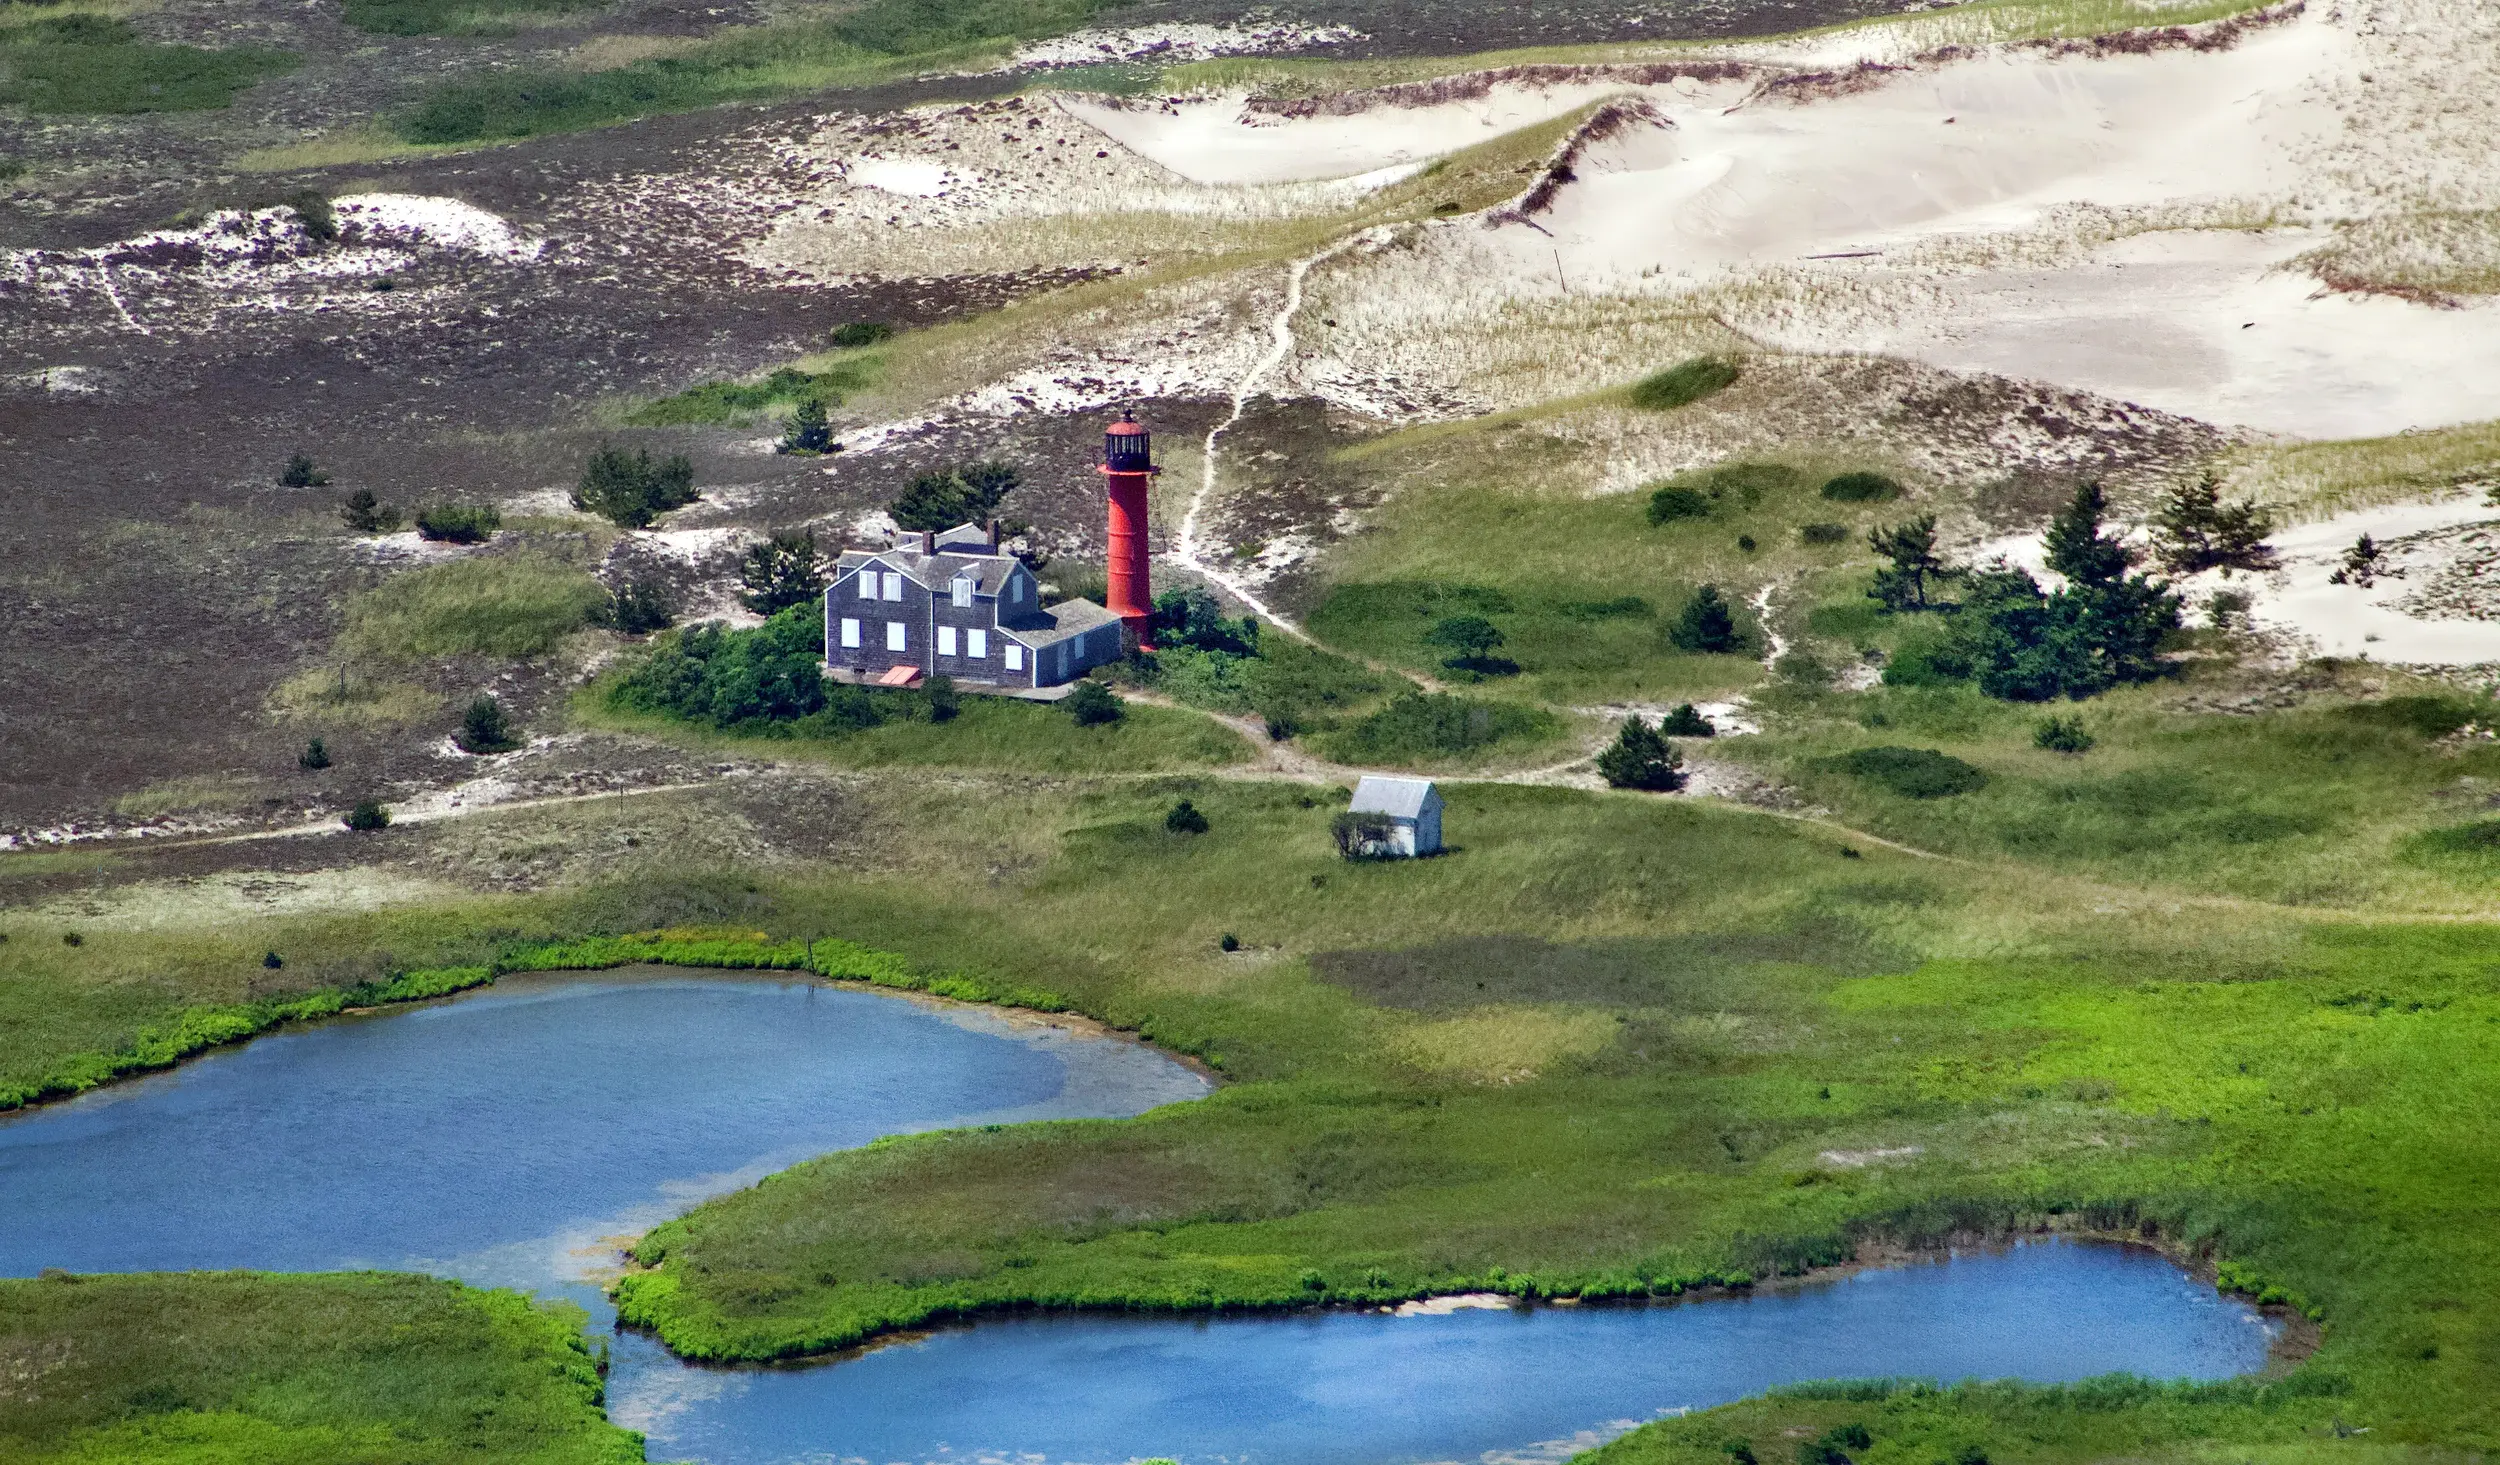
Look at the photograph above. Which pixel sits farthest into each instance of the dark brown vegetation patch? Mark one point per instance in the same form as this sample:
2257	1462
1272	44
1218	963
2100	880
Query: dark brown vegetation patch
1708	970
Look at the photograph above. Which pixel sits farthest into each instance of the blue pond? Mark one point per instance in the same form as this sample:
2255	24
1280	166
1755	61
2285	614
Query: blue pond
505	1137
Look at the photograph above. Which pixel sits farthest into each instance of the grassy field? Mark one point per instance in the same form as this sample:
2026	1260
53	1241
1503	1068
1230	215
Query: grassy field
1599	1048
207	1368
1496	518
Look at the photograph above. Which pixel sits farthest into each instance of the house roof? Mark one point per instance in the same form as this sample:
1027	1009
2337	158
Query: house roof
1054	623
989	572
1399	798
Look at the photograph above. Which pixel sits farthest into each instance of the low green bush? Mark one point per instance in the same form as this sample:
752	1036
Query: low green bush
1675	501
1824	533
854	335
1093	705
1912	773
1686	721
367	816
1861	488
630	490
1741	486
1685	383
763	681
2062	735
458	523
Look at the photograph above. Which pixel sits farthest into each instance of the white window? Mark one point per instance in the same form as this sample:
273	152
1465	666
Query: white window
963	591
893	586
867	583
850	632
946	640
894	636
1015	656
977	645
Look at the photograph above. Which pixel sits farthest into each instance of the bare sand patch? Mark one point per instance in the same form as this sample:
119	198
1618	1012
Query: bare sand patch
1220	140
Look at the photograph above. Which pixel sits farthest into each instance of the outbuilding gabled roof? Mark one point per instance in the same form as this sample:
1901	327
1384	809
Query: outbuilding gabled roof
1399	798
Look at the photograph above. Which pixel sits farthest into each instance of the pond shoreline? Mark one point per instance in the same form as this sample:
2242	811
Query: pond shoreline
194	1032
2295	1336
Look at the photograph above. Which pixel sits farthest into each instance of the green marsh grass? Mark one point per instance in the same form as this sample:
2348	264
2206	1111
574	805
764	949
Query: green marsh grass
225	1368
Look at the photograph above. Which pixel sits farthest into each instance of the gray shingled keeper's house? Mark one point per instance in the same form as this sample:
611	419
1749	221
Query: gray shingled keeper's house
1411	805
954	604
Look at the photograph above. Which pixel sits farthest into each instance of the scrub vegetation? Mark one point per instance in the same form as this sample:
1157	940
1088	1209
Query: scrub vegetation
879	41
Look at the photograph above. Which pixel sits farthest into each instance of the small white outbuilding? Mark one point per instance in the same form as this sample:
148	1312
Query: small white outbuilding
1411	805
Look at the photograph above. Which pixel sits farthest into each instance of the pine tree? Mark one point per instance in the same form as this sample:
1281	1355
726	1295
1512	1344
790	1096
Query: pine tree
1706	624
2078	550
629	489
1642	758
1903	585
807	431
485	729
2198	531
783	571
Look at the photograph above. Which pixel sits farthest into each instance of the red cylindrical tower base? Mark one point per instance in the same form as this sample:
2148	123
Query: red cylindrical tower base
1131	593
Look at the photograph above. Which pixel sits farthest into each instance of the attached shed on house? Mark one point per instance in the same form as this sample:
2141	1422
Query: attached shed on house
1411	805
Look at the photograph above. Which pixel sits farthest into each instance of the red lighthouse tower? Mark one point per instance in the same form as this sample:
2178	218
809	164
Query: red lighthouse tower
1127	468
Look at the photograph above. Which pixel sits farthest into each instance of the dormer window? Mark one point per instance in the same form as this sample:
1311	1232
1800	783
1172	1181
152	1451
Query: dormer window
963	592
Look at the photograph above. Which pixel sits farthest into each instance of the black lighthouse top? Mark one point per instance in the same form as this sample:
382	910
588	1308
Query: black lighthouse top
1126	447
